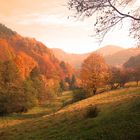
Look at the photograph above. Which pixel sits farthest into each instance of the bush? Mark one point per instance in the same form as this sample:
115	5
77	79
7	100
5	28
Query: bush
92	112
12	101
68	102
78	95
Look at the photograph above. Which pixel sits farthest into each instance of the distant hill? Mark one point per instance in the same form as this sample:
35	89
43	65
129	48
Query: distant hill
109	50
121	57
113	55
28	53
133	62
76	59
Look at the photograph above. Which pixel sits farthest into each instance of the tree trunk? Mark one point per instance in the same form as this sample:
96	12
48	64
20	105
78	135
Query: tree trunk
112	86
122	85
94	90
137	83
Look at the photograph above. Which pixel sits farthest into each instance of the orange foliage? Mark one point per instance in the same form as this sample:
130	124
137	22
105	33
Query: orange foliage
25	64
6	51
27	53
94	73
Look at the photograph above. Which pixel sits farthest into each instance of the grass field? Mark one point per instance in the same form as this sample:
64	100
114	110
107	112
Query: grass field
118	119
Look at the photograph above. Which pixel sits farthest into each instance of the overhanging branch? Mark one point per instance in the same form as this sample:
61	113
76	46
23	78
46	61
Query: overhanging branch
122	14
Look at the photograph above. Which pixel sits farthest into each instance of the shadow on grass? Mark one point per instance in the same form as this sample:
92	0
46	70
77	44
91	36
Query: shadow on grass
24	116
71	127
31	116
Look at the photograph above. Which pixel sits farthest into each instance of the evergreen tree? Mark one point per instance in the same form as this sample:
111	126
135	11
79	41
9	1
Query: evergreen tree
62	85
73	81
10	88
9	72
38	85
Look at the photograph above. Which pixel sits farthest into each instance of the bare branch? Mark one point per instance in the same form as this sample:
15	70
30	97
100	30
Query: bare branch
122	14
108	14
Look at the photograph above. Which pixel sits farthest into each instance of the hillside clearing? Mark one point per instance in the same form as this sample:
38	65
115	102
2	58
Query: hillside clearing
118	119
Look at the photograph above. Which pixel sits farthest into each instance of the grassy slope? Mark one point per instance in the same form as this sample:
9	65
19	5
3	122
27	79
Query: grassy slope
118	119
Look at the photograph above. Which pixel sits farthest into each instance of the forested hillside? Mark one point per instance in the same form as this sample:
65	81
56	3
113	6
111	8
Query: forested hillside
30	70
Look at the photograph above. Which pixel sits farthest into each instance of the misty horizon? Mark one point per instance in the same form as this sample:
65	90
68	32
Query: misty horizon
52	26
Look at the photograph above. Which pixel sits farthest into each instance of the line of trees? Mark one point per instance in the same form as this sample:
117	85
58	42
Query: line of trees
95	73
69	83
133	64
18	95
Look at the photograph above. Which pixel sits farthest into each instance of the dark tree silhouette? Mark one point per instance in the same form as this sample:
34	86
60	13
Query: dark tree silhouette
109	13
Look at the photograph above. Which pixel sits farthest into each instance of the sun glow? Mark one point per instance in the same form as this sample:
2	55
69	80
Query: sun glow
53	24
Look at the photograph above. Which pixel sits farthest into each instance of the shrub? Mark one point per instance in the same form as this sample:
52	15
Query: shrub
78	95
92	112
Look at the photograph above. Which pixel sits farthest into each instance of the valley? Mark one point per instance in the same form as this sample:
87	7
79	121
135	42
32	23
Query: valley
90	91
116	109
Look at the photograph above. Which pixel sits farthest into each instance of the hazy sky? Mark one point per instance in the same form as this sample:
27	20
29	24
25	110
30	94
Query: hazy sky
46	20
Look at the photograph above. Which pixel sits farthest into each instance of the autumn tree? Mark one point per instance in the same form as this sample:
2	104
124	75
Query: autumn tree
0	74
63	66
94	73
62	87
119	76
5	32
39	85
73	82
68	78
30	94
109	13
114	77
17	95
10	88
9	72
69	83
124	76
52	88
136	75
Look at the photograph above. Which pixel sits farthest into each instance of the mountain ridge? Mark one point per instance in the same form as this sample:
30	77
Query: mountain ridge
76	59
109	50
113	55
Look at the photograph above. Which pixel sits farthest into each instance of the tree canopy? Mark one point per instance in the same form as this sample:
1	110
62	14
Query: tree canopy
109	13
94	73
